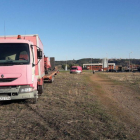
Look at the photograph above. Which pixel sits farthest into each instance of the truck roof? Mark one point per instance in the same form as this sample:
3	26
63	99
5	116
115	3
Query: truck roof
24	39
14	41
17	35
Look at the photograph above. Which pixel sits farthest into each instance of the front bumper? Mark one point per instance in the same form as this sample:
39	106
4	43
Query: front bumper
76	72
14	94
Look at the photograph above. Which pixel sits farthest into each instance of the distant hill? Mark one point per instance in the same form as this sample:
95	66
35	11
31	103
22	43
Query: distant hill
80	62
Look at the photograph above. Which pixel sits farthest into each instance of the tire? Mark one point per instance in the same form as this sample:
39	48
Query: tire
40	89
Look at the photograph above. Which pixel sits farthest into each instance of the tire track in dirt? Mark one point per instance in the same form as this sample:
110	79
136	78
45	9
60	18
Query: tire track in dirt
47	123
40	116
15	118
18	117
11	117
119	101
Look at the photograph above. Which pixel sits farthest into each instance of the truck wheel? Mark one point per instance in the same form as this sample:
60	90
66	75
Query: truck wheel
40	89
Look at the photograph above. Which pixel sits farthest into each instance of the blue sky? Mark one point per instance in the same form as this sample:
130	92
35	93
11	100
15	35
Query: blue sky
75	29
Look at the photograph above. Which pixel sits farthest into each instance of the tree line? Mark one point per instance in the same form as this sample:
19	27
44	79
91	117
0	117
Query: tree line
80	62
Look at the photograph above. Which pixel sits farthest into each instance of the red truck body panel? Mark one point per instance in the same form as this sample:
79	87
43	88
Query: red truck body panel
47	63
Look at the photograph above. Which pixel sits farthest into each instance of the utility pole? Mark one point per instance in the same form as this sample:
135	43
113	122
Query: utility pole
129	61
66	65
107	61
91	64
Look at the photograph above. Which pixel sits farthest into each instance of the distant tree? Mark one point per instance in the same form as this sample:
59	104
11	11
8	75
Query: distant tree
64	65
80	62
70	65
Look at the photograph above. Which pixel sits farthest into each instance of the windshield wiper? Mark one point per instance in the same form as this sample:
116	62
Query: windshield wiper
6	64
10	62
17	63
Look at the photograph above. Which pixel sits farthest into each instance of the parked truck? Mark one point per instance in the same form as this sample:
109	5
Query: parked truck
21	67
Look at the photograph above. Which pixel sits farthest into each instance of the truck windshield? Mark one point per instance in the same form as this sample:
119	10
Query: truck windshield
14	53
74	68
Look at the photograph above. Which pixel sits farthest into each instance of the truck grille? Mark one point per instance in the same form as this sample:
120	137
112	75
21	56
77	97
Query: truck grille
7	79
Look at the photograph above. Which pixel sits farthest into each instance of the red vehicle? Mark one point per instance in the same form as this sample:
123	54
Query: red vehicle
22	70
76	69
21	67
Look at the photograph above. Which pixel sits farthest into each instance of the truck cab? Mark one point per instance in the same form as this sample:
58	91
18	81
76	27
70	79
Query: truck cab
21	68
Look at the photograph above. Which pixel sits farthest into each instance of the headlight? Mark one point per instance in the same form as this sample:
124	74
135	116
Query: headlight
26	90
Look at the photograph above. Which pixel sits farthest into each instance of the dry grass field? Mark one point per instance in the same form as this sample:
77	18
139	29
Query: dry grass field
85	106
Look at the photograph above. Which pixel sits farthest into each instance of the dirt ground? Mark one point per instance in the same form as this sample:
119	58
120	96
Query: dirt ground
121	96
83	106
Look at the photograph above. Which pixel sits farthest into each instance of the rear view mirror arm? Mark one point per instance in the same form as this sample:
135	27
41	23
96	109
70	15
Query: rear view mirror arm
37	53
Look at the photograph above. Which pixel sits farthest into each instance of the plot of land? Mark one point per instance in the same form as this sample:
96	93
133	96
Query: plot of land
84	106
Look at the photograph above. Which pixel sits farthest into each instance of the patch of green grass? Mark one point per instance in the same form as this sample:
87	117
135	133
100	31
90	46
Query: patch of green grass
63	71
106	76
94	85
88	71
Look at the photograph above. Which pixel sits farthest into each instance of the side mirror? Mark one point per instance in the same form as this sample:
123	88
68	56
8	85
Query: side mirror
39	54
